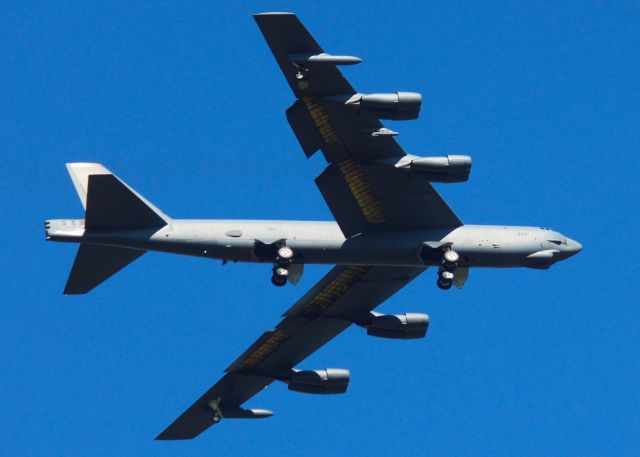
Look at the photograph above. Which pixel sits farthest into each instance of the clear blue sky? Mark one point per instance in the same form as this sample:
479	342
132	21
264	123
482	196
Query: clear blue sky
186	104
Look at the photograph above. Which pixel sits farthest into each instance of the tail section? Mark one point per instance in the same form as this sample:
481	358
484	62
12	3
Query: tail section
80	173
110	205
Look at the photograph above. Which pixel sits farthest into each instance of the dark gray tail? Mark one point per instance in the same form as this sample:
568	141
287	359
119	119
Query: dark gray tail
110	205
94	264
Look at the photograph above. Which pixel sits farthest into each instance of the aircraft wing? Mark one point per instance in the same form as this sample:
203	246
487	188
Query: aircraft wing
342	296
361	185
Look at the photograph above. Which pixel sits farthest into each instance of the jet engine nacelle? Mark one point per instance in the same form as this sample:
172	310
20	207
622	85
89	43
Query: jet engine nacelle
399	326
451	168
399	106
327	381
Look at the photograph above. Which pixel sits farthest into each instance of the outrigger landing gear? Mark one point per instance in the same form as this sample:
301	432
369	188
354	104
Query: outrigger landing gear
217	412
446	273
281	266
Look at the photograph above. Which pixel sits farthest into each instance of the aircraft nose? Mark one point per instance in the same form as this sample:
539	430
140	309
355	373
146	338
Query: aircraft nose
573	247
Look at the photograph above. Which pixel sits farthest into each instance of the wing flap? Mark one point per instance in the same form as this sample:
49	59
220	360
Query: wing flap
304	128
409	204
259	350
362	195
343	206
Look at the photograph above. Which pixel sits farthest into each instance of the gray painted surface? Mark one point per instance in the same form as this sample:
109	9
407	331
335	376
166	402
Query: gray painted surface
390	225
323	242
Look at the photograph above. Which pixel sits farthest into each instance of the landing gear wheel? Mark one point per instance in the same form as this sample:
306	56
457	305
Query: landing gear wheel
446	276
216	419
281	266
444	285
285	253
451	259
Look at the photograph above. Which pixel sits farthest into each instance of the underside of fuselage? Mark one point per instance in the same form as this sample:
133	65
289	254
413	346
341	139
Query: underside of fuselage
323	243
120	225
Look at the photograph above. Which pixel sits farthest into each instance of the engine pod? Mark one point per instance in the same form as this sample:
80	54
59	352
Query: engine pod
324	382
399	326
451	168
398	106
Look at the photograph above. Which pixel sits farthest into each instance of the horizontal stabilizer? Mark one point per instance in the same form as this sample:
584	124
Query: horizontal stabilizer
94	264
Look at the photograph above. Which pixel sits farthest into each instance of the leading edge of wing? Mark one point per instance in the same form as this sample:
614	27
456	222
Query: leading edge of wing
327	309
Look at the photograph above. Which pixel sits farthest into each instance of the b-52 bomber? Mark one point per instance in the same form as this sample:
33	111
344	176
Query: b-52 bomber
390	226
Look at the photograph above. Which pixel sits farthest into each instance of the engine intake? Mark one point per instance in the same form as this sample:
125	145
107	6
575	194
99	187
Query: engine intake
451	168
399	106
324	382
399	326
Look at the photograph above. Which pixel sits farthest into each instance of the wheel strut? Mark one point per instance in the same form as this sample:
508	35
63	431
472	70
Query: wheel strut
446	273
281	266
450	258
217	412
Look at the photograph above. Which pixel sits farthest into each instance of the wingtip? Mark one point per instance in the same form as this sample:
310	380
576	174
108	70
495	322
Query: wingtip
163	437
167	437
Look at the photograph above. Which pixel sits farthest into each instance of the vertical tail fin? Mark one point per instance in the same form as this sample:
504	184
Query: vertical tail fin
80	173
109	205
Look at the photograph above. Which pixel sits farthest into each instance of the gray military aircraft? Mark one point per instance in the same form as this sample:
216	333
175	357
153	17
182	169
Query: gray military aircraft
390	226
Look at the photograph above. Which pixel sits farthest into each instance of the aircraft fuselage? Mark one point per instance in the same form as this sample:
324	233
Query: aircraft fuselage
324	243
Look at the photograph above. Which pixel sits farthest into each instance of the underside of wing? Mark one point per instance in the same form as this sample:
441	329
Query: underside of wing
346	295
365	195
367	185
